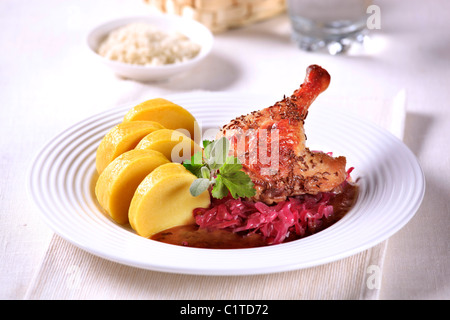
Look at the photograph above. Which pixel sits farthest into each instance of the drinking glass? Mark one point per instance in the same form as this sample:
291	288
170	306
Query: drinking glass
330	24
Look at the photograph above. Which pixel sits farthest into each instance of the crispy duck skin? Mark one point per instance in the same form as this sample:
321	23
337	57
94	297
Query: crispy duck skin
270	144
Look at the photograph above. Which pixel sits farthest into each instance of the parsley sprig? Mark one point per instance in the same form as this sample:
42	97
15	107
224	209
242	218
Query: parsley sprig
219	172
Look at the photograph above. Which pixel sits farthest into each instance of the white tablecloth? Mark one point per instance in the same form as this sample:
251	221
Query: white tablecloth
49	81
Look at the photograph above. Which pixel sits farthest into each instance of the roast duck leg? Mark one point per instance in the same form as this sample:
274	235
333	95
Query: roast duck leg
270	144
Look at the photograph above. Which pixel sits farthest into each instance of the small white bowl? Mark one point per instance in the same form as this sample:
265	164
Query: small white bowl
194	30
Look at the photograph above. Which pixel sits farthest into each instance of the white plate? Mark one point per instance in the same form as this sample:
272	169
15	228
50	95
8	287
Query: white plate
390	179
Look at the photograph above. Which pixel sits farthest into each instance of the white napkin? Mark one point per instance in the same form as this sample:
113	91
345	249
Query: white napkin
68	272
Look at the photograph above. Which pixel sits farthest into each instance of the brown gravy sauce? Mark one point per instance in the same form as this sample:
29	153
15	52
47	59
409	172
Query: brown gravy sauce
193	236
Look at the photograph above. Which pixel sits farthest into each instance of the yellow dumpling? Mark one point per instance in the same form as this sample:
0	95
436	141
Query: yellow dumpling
173	144
163	200
117	184
121	138
167	113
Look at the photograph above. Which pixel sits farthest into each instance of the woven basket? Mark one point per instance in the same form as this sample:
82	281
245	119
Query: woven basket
220	15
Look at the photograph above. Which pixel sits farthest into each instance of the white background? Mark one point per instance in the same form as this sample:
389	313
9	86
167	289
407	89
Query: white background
49	81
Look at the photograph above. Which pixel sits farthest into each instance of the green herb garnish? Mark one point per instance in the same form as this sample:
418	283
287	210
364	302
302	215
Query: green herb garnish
217	171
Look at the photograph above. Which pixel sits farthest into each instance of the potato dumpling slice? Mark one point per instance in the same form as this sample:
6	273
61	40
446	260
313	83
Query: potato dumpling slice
116	185
173	144
163	200
169	114
121	138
